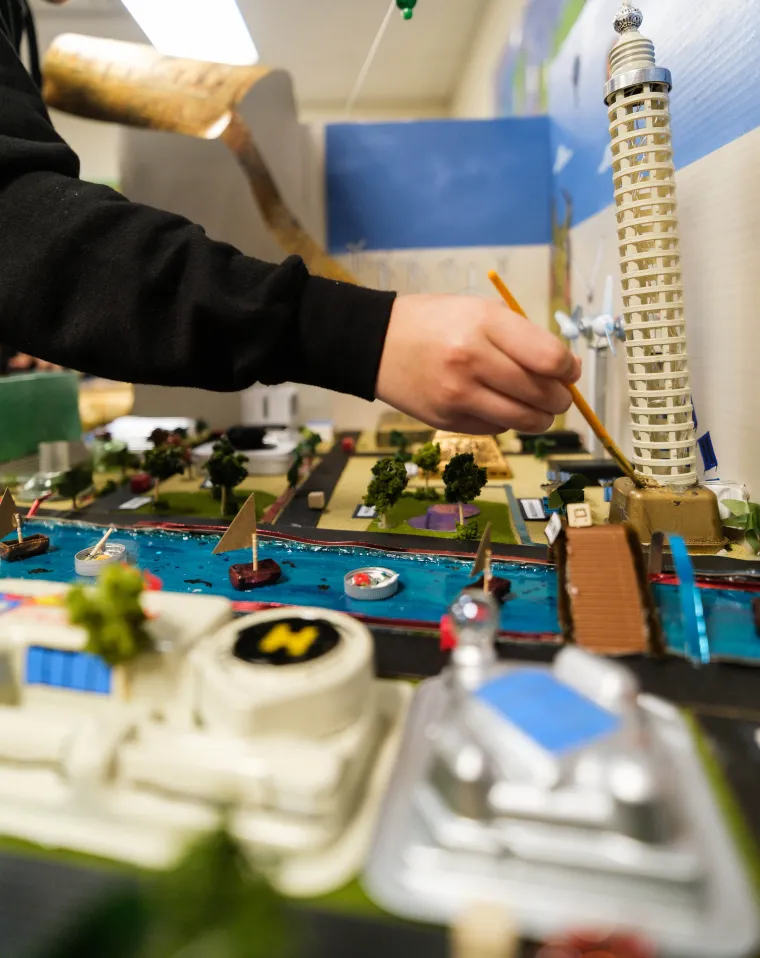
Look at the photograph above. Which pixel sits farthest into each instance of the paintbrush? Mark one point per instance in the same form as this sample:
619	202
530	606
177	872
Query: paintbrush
580	403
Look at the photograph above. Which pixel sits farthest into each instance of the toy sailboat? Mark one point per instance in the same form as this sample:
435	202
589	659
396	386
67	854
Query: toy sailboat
242	534
497	587
10	519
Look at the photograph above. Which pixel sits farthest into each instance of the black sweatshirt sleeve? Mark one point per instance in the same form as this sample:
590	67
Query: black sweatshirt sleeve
93	282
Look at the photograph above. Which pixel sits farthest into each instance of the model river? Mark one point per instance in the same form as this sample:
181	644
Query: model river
313	576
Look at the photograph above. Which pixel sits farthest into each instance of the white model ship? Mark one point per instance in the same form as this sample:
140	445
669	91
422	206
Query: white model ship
276	717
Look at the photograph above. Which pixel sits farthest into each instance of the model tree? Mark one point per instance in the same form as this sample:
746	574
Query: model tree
158	437
401	444
309	444
71	484
161	464
428	460
385	489
463	479
294	473
116	457
226	469
112	615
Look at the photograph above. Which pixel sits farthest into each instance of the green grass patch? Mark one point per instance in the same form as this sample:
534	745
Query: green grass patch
200	504
408	507
746	842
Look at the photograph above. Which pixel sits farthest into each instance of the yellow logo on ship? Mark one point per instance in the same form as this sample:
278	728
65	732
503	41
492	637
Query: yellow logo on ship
294	643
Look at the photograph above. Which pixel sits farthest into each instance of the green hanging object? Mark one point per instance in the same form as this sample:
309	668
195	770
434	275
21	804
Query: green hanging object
407	8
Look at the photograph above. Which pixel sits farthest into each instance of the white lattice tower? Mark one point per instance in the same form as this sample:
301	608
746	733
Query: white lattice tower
637	96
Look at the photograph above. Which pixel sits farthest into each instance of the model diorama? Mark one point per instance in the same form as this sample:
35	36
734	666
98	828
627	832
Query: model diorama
564	792
542	800
661	411
276	716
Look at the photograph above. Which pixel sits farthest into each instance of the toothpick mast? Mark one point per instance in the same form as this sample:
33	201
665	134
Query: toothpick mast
19	530
483	559
255	536
99	547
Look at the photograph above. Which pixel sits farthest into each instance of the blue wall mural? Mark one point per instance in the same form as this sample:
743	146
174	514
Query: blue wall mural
709	50
438	184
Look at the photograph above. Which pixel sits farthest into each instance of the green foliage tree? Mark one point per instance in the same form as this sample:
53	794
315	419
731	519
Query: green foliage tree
116	457
745	516
226	468
73	483
310	442
385	489
469	530
401	444
427	460
571	491
158	437
463	479
112	615
162	463
214	903
294	473
542	447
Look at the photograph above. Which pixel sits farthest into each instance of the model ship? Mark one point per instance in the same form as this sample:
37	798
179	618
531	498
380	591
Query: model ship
243	534
92	561
371	584
10	520
494	585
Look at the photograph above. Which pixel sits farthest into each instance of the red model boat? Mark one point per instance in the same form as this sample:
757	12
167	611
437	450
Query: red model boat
242	534
22	548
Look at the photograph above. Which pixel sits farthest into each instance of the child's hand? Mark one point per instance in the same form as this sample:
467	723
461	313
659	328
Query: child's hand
469	365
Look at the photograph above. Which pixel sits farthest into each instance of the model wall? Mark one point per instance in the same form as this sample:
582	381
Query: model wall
708	49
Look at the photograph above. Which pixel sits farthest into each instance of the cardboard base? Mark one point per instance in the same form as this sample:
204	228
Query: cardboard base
692	513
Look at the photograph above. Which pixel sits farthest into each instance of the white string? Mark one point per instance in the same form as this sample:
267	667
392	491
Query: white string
363	73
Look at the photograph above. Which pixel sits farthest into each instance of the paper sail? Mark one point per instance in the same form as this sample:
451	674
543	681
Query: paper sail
8	512
241	530
484	549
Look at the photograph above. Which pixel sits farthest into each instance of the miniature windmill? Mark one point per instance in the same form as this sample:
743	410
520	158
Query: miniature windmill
601	330
664	440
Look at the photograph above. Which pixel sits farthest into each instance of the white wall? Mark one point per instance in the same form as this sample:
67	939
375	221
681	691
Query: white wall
96	145
476	93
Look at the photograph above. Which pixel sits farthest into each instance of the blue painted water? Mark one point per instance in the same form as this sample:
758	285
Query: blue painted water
313	575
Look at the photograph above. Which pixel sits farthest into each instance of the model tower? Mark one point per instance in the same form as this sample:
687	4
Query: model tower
669	499
637	96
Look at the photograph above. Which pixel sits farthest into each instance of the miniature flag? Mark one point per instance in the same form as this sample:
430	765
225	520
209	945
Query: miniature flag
482	557
241	531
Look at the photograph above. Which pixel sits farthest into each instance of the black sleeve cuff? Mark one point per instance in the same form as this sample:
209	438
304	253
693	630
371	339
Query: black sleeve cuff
342	335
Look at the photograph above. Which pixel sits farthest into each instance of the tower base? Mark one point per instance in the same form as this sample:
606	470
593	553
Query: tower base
692	514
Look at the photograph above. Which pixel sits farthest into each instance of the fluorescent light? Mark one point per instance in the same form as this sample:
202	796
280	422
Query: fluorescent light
211	30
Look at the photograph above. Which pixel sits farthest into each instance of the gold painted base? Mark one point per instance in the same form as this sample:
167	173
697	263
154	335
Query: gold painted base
692	514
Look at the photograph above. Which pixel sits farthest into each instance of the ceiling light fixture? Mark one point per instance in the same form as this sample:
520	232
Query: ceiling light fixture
210	30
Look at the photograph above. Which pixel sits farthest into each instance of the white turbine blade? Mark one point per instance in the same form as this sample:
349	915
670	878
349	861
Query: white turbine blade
608	295
609	329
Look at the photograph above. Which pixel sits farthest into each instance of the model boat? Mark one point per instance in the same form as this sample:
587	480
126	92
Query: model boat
371	584
91	562
243	534
22	548
494	585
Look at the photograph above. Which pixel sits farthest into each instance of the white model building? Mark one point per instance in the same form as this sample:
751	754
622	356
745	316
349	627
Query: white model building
637	96
271	406
130	763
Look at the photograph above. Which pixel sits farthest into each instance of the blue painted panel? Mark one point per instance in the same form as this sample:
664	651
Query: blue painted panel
554	715
710	52
439	184
61	668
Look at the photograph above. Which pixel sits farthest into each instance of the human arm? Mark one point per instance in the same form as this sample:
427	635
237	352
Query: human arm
96	283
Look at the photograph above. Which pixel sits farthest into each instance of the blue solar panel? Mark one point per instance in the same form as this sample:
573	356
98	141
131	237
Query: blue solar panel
62	669
555	716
